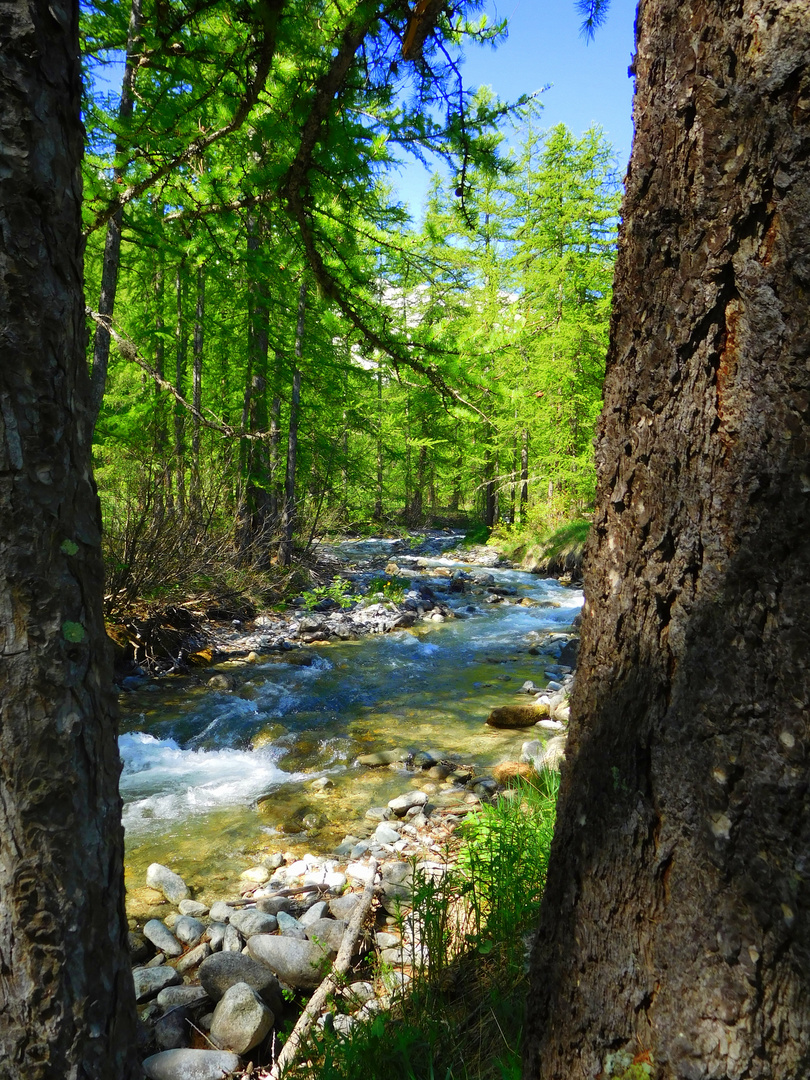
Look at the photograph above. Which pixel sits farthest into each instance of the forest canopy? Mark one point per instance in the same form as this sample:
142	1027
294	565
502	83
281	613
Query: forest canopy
276	347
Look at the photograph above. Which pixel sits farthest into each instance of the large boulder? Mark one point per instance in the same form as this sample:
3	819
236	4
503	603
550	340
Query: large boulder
223	970
191	1065
241	1019
514	716
301	964
167	882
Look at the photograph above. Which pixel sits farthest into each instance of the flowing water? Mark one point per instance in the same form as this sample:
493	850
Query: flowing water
213	779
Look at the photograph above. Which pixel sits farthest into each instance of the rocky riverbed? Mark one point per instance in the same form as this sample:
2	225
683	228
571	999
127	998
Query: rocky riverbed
219	965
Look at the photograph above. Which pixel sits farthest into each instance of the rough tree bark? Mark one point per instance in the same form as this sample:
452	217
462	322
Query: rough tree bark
288	521
675	921
66	995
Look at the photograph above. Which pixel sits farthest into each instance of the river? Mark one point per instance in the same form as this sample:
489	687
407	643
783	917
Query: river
214	779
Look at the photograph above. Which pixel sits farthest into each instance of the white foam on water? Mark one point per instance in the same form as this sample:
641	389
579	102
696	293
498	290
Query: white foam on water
161	781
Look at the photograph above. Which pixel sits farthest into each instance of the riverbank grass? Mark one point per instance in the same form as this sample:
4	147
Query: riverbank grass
462	1015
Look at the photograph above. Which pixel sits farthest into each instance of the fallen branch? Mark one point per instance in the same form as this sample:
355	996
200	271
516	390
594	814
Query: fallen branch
330	983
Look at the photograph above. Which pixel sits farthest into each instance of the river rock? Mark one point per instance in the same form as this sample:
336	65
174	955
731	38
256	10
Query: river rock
313	913
290	927
508	770
328	932
301	964
149	981
167	882
241	1019
232	941
220	682
255	875
193	957
386	834
249	921
189	930
384	757
162	938
181	995
139	947
190	1065
378	813
222	970
342	907
216	935
193	908
172	1030
221	912
402	803
272	905
514	716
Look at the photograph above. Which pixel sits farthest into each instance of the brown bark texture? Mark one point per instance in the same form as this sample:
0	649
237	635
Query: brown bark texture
66	995
674	928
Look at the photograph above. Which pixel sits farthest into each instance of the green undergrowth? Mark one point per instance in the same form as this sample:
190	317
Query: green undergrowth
462	1016
555	548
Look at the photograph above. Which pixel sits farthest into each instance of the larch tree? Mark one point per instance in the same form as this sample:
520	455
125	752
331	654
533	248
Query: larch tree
67	1004
675	930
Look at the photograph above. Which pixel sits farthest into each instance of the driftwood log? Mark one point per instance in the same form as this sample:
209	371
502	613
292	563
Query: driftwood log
330	983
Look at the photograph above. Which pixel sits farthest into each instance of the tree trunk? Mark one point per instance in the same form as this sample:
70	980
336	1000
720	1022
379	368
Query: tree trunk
181	341
288	522
112	244
66	996
196	396
676	920
524	475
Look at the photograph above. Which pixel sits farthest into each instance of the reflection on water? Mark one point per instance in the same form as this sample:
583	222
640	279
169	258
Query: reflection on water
197	761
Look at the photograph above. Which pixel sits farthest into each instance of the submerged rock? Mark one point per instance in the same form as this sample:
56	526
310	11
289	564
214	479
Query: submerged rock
514	716
167	882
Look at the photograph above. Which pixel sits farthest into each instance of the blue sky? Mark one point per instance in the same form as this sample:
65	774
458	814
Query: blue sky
589	80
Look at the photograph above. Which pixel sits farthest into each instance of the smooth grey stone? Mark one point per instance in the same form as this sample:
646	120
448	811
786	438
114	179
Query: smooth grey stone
231	940
327	931
386	941
249	921
149	981
272	905
166	881
216	934
384	757
343	906
193	908
221	912
191	1065
315	911
189	930
386	834
290	926
301	964
162	938
193	957
222	970
241	1019
404	802
181	995
378	813
172	1030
